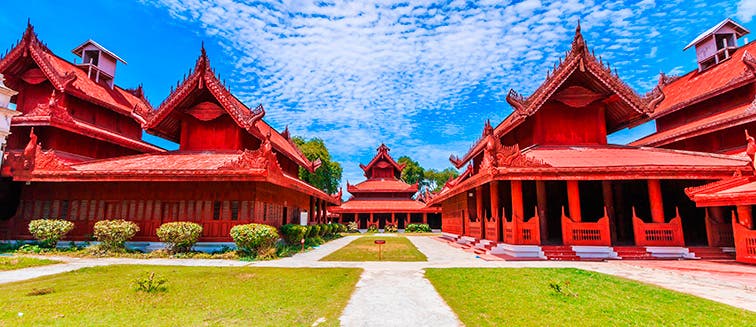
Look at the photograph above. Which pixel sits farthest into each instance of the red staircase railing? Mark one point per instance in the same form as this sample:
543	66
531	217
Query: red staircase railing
658	234
745	243
474	228
491	229
584	233
719	233
522	233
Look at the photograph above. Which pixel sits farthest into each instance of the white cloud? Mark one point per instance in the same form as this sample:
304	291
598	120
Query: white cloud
413	73
746	10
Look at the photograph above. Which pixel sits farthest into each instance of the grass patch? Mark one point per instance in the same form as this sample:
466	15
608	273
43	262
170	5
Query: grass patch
12	263
527	297
193	296
397	248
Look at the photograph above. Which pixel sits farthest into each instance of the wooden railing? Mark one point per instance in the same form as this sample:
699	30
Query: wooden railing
474	228
719	233
522	233
492	226
745	243
583	233
658	234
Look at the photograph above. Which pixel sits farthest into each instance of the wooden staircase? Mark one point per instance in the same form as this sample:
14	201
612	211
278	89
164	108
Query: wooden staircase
711	253
559	253
633	253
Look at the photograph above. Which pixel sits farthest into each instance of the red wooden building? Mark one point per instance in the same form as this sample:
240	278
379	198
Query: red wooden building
546	183
383	198
708	108
84	159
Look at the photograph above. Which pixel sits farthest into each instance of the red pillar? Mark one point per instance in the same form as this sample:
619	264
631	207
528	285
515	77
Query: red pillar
655	199
495	214
425	218
518	210
573	200
479	202
370	222
311	214
495	200
541	200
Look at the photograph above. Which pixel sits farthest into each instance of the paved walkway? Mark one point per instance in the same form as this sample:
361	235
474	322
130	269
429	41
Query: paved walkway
396	293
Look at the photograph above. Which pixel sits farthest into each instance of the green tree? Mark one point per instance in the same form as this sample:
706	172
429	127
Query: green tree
435	179
412	172
328	176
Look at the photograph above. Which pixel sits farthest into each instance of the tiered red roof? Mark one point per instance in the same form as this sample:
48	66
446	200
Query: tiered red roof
387	192
697	86
728	192
164	122
625	108
495	161
67	78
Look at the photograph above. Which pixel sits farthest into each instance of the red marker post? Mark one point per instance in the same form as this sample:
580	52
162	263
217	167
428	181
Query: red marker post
380	243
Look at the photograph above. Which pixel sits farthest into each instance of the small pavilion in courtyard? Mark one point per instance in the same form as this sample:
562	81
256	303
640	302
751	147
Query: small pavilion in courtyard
383	198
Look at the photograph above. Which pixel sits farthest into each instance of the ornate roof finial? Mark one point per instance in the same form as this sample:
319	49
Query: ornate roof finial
751	149
578	43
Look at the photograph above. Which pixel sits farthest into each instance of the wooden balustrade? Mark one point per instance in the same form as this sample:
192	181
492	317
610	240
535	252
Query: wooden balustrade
473	228
745	243
584	233
522	233
491	230
658	234
718	233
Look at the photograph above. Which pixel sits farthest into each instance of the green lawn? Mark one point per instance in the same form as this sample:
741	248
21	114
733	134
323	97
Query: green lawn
523	297
11	263
397	248
195	296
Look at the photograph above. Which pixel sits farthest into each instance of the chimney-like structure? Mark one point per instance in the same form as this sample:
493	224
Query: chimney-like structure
717	43
98	62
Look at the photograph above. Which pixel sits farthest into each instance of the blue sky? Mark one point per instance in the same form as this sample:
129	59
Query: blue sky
421	76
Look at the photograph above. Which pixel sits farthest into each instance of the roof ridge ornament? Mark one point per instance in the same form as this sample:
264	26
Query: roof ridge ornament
749	61
751	150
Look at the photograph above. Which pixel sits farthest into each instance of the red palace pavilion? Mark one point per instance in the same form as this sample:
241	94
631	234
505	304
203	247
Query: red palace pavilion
383	198
76	153
545	182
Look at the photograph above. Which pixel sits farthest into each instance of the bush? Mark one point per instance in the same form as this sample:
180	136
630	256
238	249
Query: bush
293	233
254	239
180	235
315	232
49	231
417	228
150	283
389	228
352	227
372	228
114	233
323	230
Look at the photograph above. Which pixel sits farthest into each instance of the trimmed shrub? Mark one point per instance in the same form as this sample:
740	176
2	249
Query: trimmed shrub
180	235
417	228
315	231
293	233
389	228
352	227
372	229
254	239
114	233
323	230
49	231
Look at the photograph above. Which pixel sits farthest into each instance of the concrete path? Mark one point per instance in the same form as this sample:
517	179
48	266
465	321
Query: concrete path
401	285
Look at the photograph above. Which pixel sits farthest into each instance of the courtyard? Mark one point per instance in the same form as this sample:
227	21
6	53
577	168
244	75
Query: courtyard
451	287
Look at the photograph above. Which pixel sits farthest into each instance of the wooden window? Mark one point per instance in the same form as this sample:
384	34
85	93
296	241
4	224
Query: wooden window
234	210
216	210
63	209
46	209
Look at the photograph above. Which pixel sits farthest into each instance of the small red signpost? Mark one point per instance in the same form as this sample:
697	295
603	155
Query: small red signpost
380	243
